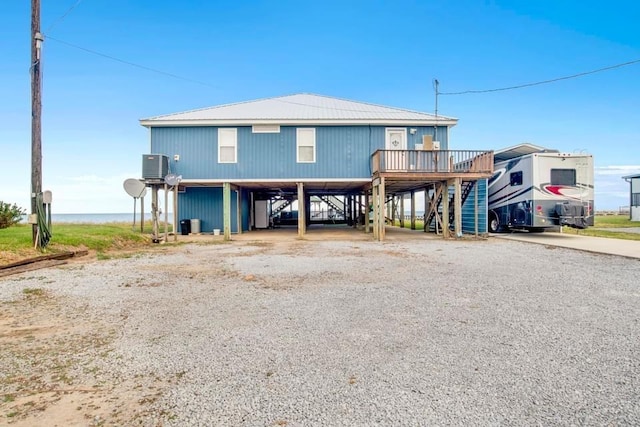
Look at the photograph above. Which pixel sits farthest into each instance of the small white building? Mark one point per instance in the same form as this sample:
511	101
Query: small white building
634	196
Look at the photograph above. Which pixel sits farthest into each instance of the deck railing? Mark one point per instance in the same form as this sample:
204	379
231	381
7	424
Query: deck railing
440	161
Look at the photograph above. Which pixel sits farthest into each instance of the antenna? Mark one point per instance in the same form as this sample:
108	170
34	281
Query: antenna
172	179
136	189
436	86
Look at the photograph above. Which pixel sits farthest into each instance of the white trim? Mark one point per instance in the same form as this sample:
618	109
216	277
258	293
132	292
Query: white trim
275	181
288	122
402	130
265	128
312	131
233	131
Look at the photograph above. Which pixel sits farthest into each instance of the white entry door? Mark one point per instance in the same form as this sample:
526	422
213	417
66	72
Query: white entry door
396	139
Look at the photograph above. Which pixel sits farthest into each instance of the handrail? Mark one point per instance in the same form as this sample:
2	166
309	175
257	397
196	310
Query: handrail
438	161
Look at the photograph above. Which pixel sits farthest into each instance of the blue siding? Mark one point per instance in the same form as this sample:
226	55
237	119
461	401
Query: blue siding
341	152
468	209
205	204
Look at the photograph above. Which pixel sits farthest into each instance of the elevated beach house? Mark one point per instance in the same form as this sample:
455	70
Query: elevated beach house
261	163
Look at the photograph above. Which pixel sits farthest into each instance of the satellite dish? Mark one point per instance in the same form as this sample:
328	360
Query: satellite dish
172	179
135	188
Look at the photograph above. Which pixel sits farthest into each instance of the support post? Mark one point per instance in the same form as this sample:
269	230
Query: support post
457	206
154	211
366	211
445	209
394	209
413	209
166	212
426	209
387	206
401	213
239	210
175	213
302	220
142	214
376	211
354	212
382	203
226	210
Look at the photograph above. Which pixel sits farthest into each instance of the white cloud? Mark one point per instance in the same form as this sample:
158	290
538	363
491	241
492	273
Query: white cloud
91	194
611	190
617	170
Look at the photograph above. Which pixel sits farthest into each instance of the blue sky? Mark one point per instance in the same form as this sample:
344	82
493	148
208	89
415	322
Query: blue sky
374	51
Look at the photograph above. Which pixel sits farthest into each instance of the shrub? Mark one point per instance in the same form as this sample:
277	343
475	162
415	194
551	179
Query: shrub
10	214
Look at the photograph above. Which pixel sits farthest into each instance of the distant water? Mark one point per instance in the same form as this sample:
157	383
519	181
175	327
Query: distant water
102	218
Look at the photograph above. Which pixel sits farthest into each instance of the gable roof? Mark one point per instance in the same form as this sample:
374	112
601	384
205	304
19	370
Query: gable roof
303	108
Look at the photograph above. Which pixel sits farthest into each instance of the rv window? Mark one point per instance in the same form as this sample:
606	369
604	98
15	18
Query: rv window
563	177
516	178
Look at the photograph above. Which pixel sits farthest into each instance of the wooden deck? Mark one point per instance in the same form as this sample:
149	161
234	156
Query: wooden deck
406	171
441	163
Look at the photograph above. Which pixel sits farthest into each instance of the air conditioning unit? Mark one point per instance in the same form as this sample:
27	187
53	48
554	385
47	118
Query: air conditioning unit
155	166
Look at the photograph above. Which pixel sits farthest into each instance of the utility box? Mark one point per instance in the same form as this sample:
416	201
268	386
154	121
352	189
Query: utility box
155	166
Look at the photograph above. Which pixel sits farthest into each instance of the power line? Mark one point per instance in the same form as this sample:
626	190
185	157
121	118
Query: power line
61	18
133	64
573	76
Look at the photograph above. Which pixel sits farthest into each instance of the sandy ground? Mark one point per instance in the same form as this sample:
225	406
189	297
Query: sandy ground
51	345
47	347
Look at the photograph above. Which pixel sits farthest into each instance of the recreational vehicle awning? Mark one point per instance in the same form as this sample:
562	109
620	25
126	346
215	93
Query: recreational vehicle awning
519	150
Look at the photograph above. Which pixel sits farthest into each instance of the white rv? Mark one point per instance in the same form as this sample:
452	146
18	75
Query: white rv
534	189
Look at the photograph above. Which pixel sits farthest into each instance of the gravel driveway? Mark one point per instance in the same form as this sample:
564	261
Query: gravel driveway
338	333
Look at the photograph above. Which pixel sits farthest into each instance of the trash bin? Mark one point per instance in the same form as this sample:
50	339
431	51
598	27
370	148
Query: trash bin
185	227
195	225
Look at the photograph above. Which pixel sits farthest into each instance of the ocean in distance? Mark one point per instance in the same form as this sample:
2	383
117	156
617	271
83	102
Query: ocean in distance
101	218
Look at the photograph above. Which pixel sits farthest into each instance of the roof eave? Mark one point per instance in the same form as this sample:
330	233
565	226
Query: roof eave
288	122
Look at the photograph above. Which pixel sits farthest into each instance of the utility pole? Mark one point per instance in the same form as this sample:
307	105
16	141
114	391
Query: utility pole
436	83
36	114
436	88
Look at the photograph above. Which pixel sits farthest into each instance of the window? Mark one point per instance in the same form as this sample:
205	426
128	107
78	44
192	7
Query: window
227	145
516	178
563	177
635	199
306	145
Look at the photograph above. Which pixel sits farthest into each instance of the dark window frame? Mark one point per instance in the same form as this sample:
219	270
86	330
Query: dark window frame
515	178
566	177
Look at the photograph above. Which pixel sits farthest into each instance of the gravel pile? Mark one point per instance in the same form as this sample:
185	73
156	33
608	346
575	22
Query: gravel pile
423	332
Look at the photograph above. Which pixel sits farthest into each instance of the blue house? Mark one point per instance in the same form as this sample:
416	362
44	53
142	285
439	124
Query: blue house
244	165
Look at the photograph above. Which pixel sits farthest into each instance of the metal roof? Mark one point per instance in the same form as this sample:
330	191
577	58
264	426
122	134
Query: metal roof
634	176
303	108
519	150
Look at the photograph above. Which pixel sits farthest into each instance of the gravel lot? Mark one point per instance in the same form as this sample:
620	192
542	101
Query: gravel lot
339	333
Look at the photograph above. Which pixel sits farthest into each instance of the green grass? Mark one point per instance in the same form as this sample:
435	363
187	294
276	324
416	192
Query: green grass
15	242
615	221
601	221
35	292
604	222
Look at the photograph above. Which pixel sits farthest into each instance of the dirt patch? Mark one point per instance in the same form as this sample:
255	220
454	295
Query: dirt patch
49	349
